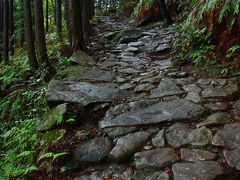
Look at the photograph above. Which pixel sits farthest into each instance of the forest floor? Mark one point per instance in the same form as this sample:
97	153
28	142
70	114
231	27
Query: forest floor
138	116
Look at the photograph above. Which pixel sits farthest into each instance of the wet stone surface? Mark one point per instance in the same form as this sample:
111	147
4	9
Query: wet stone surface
158	120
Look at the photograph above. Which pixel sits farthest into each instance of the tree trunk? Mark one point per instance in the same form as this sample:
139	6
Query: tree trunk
59	17
47	19
11	27
164	12
29	34
41	48
75	8
6	31
1	29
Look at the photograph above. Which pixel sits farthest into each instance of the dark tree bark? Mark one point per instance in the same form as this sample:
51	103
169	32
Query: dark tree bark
41	48
1	29
47	19
164	12
29	34
6	31
11	27
75	8
59	16
66	17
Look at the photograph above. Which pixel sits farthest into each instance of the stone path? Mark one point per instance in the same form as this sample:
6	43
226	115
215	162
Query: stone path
159	119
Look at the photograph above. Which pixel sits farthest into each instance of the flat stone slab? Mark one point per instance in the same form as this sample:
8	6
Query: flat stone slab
176	110
227	92
155	159
228	137
128	145
167	87
93	150
83	93
180	134
207	170
78	73
233	158
195	155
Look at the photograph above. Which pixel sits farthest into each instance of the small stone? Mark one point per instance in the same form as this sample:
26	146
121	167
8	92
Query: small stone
216	119
195	155
82	58
153	175
155	159
129	71
218	106
158	140
192	88
236	108
132	49
115	132
207	170
135	44
194	97
167	87
128	145
93	150
120	80
126	86
144	87
229	136
233	158
180	134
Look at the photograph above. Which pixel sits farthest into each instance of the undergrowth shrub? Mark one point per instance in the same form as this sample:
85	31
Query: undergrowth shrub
211	34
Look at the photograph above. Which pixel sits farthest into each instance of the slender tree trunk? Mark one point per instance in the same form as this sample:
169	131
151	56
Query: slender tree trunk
66	17
29	34
1	29
59	17
6	31
11	27
47	19
164	12
41	48
75	8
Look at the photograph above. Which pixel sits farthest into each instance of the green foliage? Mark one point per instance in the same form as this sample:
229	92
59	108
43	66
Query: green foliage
18	149
51	155
16	71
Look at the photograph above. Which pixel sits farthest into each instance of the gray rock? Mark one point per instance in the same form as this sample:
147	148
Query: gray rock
175	110
192	88
233	158
132	49
207	170
155	159
236	108
144	87
180	134
119	131
216	119
195	155
152	80
229	136
127	86
167	87
83	93
52	117
163	47
129	71
153	175
218	106
165	64
78	73
82	58
93	150
158	140
128	145
194	97
227	92
135	44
